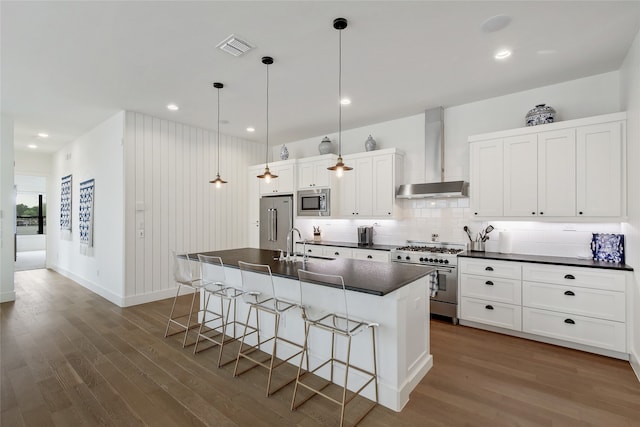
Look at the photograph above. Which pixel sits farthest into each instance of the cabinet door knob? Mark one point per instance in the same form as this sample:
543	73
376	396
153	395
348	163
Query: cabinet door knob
488	282
309	250
490	307
569	321
569	276
336	253
489	269
475	213
541	213
580	213
569	293
533	213
369	256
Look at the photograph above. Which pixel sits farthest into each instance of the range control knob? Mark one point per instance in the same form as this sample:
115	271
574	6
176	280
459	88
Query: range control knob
446	261
399	257
441	261
408	258
430	259
422	260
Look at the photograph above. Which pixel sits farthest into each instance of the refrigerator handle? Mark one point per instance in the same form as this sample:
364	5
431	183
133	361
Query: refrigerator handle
274	224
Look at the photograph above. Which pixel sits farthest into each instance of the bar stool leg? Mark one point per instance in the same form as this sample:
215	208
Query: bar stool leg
206	306
173	307
186	332
375	363
274	352
346	376
224	327
244	334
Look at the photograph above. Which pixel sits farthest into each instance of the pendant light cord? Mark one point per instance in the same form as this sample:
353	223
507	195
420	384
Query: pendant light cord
340	93
267	154
218	131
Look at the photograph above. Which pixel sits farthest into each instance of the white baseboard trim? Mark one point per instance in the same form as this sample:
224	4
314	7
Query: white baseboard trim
93	287
7	296
634	360
153	296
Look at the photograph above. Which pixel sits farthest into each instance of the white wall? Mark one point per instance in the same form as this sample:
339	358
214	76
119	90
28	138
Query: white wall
7	210
98	154
33	163
168	197
585	97
630	95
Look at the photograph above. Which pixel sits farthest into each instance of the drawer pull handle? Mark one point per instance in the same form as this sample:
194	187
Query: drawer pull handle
336	253
569	321
489	269
569	276
569	293
490	307
309	250
488	282
369	257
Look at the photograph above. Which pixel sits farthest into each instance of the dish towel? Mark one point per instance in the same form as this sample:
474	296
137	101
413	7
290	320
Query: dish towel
433	284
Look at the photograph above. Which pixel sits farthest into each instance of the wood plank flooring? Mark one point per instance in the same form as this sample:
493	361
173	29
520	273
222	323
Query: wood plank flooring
71	358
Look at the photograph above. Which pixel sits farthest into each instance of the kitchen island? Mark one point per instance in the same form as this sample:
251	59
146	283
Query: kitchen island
392	295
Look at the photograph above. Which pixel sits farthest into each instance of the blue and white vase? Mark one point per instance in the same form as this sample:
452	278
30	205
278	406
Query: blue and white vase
325	146
370	144
540	115
284	153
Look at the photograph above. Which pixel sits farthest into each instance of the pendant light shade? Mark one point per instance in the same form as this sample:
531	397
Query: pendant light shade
267	175
340	24
218	181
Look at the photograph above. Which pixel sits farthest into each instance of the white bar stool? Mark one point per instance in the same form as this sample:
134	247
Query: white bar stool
183	267
260	294
337	322
214	324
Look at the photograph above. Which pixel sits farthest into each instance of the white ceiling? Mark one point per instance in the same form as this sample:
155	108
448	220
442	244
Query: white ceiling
67	66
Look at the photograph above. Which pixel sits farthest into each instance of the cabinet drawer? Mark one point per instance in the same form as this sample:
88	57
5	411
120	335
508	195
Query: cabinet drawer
575	300
491	268
491	313
336	252
369	255
311	249
575	276
494	289
569	327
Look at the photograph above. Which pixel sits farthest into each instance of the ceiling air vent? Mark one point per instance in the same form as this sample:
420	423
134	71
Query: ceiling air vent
234	46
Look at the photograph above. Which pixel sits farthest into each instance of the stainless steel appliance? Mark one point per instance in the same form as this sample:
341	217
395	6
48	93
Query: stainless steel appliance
276	219
365	236
443	256
315	202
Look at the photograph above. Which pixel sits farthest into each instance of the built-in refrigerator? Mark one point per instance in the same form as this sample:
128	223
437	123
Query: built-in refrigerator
276	219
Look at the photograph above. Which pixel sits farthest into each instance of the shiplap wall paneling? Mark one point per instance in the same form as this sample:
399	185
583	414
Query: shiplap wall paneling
168	195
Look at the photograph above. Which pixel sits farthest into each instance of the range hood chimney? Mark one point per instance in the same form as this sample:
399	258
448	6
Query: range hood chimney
435	187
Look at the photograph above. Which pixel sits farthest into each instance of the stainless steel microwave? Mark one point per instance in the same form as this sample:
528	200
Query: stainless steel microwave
314	202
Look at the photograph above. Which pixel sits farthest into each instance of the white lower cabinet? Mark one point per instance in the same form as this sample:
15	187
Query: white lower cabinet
579	329
506	316
371	255
337	252
576	305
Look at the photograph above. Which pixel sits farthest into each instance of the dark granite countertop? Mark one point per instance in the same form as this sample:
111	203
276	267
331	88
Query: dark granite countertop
376	278
351	245
542	259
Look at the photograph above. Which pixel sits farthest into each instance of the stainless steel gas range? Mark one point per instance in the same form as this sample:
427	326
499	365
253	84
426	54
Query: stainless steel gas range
443	256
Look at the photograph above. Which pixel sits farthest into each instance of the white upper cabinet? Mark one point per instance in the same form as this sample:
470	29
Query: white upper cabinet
313	172
557	173
566	169
599	169
284	183
520	175
369	189
486	178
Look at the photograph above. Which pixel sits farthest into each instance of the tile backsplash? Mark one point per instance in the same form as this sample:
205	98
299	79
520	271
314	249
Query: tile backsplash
447	218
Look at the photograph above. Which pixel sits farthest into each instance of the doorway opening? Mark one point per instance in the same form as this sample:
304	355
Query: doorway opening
31	222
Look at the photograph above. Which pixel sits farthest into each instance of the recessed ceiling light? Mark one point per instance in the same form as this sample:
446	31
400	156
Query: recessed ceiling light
495	23
43	135
345	101
32	146
502	54
172	107
250	129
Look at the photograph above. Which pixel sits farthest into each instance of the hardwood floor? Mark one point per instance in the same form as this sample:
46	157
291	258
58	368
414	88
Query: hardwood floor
70	358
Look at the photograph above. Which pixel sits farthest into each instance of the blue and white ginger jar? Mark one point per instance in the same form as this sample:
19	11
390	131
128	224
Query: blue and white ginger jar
540	115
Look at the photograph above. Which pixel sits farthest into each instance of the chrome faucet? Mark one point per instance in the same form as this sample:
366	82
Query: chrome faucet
291	245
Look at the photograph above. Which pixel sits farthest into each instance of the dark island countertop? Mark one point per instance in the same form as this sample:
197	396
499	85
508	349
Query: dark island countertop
350	245
552	260
376	278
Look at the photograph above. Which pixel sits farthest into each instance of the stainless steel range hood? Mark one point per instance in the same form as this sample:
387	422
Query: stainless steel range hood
434	165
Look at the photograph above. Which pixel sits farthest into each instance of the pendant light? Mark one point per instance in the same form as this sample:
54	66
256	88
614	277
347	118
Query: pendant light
340	24
267	176
218	181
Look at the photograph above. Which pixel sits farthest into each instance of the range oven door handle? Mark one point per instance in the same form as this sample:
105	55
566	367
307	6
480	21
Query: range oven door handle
445	270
